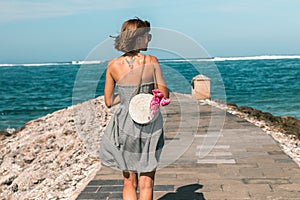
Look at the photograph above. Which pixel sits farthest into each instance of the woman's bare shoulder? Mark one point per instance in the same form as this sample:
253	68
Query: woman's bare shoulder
113	63
152	59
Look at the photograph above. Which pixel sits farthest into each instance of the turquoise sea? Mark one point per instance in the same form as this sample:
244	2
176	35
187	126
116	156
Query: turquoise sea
267	83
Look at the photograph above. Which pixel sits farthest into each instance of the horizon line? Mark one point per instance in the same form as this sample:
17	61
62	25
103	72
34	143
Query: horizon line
213	58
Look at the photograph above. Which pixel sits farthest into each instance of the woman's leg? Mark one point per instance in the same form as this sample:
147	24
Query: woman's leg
130	185
146	184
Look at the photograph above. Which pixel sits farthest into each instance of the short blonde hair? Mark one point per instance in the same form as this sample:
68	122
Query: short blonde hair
131	29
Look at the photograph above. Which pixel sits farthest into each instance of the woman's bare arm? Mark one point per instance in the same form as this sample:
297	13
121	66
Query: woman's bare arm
109	97
161	84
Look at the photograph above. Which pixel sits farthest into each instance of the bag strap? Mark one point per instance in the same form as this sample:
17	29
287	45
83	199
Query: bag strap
139	84
154	79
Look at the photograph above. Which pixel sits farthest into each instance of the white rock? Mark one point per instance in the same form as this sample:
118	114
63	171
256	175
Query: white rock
50	157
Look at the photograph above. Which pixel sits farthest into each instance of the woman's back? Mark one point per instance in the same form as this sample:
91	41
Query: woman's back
124	74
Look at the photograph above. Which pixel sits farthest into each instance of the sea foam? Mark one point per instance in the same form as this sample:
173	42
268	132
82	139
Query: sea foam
220	59
84	62
263	57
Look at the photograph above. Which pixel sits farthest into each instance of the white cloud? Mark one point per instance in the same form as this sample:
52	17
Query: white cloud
12	10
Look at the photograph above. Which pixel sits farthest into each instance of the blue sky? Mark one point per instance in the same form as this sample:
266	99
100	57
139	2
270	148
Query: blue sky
65	30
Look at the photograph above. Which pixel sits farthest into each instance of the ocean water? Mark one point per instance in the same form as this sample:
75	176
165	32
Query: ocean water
267	83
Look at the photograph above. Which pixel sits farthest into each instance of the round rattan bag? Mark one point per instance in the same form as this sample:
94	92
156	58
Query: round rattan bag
139	109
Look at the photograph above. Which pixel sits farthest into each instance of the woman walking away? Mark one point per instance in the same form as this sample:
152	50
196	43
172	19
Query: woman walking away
132	147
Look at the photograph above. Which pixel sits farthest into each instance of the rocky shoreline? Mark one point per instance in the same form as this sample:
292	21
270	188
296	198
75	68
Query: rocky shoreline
55	157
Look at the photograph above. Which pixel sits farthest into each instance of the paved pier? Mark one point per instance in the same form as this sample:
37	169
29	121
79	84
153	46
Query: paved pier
220	156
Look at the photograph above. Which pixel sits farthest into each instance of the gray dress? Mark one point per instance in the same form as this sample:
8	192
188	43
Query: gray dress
128	145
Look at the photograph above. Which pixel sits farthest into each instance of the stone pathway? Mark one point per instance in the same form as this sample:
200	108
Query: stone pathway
223	157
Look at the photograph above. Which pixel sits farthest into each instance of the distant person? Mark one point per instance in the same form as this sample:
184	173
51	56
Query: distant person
134	148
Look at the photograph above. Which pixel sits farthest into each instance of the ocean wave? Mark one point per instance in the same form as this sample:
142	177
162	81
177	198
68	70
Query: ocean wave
264	57
35	64
220	59
84	62
183	60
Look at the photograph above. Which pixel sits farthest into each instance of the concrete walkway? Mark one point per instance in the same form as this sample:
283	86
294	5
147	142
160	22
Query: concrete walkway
224	157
